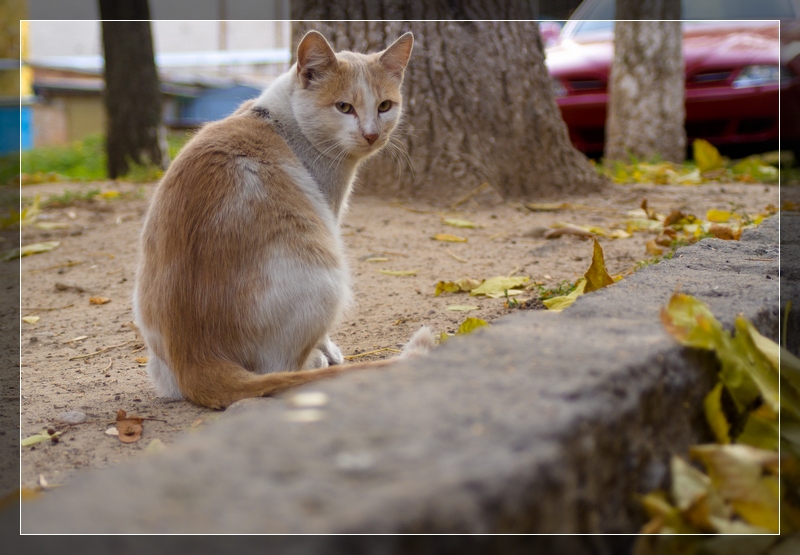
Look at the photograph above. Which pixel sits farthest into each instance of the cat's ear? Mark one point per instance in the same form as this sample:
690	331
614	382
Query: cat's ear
314	56
395	58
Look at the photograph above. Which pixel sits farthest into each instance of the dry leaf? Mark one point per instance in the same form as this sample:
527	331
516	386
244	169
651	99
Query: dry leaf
377	259
471	324
399	272
99	300
498	285
30	319
460	223
557	304
596	276
719	216
462	308
547	207
706	155
449	237
44	435
652	248
130	428
141	360
568	229
722	232
27	250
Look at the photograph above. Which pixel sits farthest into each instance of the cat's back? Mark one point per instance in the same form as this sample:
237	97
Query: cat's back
238	185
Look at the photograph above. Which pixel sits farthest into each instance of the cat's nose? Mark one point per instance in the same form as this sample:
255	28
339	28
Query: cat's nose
371	138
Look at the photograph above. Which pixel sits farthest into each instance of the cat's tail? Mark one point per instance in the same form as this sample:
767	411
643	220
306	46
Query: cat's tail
222	383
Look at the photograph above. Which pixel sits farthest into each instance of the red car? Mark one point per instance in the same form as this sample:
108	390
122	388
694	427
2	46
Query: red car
734	72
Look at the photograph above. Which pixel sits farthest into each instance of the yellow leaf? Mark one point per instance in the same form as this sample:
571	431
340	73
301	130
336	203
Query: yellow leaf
30	319
706	156
504	293
467	284
691	322
462	308
596	276
109	194
29	214
38	438
557	304
377	259
736	472
449	237
652	248
547	207
715	416
399	272
471	324
460	223
498	284
49	226
619	234
99	300
446	287
27	250
719	216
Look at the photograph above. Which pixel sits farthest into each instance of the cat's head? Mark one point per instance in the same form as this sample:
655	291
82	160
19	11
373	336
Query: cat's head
348	104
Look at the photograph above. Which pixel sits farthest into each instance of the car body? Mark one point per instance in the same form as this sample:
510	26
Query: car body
735	71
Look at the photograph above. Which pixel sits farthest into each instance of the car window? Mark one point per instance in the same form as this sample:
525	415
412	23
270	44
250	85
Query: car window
598	15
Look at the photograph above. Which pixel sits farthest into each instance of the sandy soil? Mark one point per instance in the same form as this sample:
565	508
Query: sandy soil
86	357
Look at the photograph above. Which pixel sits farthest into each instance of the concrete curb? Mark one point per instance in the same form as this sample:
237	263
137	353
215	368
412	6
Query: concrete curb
543	423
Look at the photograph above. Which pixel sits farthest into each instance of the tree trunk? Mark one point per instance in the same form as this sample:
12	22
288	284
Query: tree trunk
134	133
646	89
478	104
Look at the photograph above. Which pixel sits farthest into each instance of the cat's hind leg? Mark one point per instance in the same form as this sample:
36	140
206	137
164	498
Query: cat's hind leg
163	378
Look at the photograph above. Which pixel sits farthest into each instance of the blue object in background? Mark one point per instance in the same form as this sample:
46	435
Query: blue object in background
214	104
15	128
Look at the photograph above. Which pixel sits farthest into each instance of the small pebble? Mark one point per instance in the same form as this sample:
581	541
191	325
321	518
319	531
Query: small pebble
72	417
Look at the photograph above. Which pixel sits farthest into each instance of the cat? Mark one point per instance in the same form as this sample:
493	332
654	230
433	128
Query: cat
242	273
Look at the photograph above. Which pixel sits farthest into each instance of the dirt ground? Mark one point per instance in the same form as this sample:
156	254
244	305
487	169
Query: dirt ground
86	357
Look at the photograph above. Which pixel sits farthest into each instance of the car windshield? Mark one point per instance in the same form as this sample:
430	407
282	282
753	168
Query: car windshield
599	15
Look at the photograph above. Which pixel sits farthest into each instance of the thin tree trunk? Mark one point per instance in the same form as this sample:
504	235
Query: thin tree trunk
478	107
132	97
646	91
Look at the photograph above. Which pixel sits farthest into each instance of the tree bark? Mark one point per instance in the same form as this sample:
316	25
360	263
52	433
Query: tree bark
646	109
134	132
478	104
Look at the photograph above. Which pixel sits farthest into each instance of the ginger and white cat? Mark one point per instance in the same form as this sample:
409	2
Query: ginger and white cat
243	275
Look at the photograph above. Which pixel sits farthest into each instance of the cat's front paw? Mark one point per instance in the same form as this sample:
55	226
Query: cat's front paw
330	351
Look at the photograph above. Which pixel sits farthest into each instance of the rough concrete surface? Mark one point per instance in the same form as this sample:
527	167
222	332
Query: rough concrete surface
542	423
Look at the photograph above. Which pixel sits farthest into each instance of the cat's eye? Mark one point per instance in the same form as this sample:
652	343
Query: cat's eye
384	106
344	107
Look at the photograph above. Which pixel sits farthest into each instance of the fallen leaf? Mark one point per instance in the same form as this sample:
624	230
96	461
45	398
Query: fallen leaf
706	156
619	234
498	284
30	319
505	293
112	432
462	308
460	223
736	472
28	250
547	207
597	276
715	416
129	427
723	232
399	272
449	237
44	435
568	229
652	248
109	195
471	324
49	226
99	300
557	304
719	216
377	259
141	360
